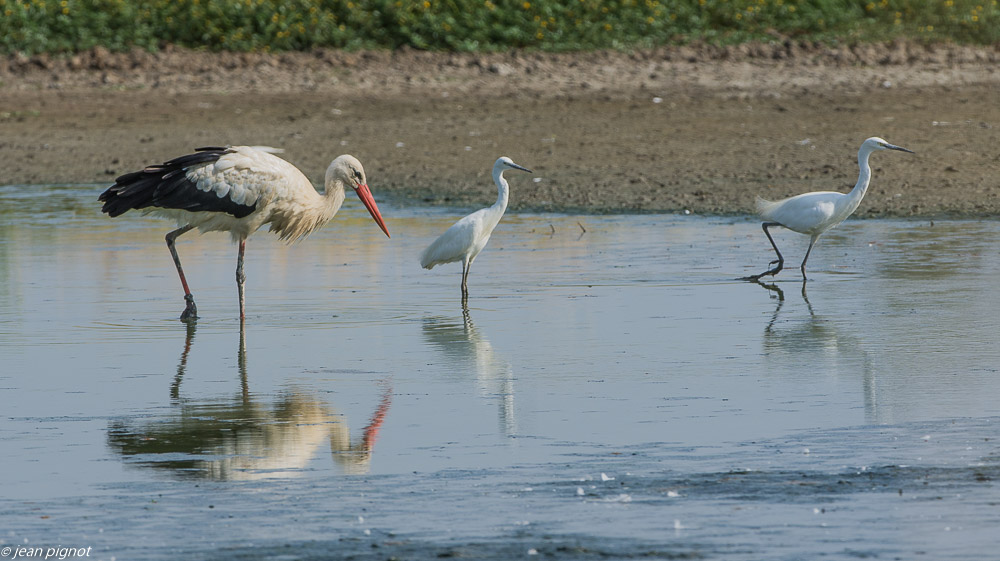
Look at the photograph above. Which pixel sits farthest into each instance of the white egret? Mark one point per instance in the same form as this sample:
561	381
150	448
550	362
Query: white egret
815	213
466	238
237	189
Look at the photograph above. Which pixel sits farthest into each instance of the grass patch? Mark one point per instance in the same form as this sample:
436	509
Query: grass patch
53	26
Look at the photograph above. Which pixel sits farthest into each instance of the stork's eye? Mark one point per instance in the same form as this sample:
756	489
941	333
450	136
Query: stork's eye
357	175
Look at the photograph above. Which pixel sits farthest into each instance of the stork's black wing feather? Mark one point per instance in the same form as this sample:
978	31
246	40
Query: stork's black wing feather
166	185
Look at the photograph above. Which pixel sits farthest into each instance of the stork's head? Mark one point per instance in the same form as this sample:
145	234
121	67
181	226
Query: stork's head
349	171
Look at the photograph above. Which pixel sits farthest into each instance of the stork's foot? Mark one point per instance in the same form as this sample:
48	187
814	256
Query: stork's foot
190	312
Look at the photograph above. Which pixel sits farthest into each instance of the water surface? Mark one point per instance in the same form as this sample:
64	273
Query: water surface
609	392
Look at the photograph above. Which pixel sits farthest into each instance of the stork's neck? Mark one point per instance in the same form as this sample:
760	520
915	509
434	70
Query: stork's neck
333	196
296	218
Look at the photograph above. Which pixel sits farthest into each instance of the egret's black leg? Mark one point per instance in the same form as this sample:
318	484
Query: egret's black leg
780	261
465	278
190	310
812	242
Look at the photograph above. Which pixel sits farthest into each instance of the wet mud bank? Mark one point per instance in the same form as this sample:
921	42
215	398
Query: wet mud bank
700	129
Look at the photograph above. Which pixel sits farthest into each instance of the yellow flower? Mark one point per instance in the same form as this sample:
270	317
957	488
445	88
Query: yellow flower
526	5
607	27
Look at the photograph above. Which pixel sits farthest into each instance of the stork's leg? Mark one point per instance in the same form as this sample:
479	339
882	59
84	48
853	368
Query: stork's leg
780	261
812	242
241	279
190	310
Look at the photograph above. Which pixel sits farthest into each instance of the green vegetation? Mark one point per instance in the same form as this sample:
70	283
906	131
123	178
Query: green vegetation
34	26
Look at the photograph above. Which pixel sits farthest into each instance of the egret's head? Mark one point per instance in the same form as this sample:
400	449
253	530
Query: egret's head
505	163
348	170
875	143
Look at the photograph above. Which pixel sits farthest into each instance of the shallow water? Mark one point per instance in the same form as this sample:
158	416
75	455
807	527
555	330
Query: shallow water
610	391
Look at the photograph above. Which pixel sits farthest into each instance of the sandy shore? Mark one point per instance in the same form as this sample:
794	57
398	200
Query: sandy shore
690	128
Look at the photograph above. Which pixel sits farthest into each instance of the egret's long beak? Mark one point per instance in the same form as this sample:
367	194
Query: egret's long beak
515	166
900	148
365	194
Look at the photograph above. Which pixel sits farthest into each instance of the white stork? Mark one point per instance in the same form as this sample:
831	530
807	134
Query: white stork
237	189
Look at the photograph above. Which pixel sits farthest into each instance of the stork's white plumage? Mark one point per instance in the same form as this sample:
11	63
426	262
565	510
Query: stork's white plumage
237	189
817	212
466	238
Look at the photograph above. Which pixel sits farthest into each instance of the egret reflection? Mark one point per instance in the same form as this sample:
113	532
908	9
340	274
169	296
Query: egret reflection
468	349
246	437
826	347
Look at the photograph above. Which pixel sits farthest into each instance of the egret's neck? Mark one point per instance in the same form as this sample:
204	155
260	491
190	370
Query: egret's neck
864	177
503	190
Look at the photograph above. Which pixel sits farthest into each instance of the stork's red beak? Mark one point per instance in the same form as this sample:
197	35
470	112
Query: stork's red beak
365	194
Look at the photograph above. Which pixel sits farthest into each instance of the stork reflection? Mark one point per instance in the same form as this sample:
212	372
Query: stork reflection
816	346
246	437
467	348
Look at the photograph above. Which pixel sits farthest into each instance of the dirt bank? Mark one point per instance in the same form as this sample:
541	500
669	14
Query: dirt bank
697	128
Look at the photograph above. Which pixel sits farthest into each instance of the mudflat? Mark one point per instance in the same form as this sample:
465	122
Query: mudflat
703	129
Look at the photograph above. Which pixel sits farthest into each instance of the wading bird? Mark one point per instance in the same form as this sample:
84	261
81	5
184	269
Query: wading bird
466	238
815	213
237	189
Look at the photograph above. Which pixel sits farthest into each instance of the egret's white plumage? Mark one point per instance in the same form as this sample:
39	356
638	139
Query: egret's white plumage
237	189
466	238
817	212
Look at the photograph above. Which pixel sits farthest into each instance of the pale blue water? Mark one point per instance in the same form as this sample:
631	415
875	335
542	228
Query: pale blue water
609	393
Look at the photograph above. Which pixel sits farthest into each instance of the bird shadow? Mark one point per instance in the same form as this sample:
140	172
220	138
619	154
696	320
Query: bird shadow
246	436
